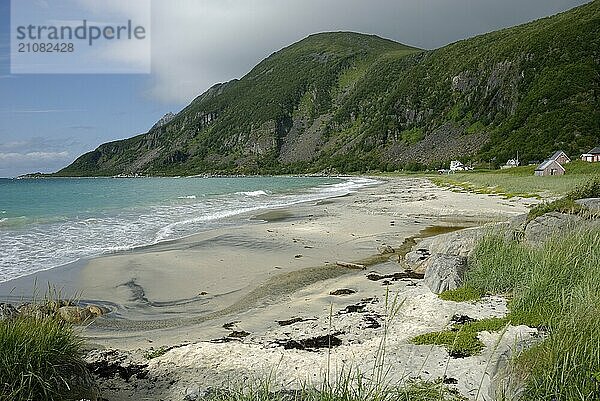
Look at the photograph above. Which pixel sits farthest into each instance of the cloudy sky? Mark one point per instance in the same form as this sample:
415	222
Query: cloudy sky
47	120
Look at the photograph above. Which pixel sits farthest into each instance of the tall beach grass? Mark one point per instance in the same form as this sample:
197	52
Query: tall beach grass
568	204
41	359
555	287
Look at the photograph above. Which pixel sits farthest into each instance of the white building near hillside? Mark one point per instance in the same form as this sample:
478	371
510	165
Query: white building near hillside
456	165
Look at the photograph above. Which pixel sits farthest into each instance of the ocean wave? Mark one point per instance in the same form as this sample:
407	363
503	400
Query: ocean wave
168	232
253	193
187	197
14	222
350	185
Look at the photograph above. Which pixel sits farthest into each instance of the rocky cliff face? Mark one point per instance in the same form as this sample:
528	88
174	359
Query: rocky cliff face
352	102
167	118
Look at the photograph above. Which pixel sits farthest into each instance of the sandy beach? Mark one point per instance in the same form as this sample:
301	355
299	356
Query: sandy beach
276	266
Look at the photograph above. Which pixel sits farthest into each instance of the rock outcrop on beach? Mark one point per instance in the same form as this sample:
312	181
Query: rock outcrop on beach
348	102
67	311
443	258
537	230
445	272
592	204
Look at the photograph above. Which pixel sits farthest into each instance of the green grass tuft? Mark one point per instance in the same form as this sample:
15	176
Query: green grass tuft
461	340
462	294
498	264
156	353
563	366
41	360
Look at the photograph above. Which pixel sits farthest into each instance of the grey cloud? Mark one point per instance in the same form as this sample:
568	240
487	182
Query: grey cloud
13	164
196	44
39	144
42	3
33	158
37	154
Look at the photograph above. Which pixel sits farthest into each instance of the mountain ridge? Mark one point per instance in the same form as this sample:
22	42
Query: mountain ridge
342	101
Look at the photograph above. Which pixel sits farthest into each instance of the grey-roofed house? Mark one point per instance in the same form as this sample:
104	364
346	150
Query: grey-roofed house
592	156
550	167
560	157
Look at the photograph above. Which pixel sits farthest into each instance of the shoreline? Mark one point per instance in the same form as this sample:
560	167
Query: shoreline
192	281
240	217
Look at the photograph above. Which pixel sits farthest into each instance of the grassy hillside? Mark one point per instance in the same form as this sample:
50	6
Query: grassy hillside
353	102
532	89
239	126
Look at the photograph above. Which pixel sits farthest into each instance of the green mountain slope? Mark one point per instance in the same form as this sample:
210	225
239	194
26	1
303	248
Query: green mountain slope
354	102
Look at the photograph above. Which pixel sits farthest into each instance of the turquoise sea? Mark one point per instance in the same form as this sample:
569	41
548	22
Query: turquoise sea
50	222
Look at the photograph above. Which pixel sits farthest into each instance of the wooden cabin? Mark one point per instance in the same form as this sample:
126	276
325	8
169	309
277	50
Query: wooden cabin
549	167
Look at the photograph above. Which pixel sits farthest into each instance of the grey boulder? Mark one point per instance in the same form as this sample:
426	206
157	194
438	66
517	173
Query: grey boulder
459	243
541	228
385	249
593	204
445	272
75	314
